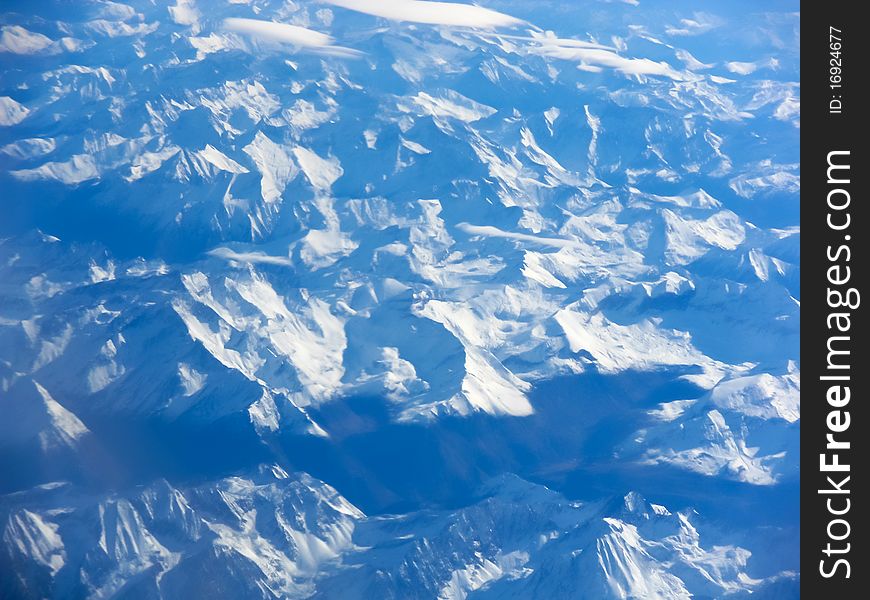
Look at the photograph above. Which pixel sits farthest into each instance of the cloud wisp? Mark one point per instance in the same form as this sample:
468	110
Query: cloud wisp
594	57
431	13
254	258
700	23
285	34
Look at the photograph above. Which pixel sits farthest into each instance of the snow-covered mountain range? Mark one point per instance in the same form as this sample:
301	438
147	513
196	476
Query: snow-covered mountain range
399	299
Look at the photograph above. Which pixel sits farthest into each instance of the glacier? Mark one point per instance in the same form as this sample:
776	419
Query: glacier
400	299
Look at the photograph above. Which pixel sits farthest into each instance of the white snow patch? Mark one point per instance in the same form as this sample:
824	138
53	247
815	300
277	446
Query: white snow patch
18	40
36	539
106	368
321	172
212	43
415	147
275	165
448	105
400	377
324	247
762	396
550	115
29	148
487	384
535	270
115	29
688	239
219	160
719	450
264	413
215	342
191	380
66	428
618	347
482	572
371	138
11	112
304	115
148	162
312	338
78	169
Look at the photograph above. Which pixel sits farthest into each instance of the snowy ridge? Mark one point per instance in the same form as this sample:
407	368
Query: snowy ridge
268	534
275	528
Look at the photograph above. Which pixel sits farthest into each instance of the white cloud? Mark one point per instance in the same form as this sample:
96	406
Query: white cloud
282	33
741	68
700	23
490	231
548	37
185	13
747	68
431	13
593	57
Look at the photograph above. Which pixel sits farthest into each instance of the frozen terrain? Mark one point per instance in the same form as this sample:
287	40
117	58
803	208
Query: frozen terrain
399	299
